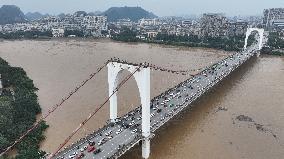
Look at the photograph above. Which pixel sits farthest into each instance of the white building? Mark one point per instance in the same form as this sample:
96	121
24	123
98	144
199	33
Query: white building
149	22
58	32
124	22
96	22
152	34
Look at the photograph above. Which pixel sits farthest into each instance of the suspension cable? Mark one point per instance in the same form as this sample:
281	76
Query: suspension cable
159	68
64	99
92	114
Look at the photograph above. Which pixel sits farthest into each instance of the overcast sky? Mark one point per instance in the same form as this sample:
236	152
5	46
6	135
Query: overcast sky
159	7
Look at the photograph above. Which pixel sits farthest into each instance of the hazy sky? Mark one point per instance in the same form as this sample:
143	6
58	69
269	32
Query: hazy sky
159	7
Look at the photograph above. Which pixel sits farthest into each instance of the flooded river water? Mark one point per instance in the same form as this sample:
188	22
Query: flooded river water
243	117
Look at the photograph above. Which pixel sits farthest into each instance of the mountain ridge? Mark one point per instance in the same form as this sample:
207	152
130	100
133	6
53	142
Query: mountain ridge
132	13
10	14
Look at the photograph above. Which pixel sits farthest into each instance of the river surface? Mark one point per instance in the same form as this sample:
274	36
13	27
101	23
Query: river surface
243	117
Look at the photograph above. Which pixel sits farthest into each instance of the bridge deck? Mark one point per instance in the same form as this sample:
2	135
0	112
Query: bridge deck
163	108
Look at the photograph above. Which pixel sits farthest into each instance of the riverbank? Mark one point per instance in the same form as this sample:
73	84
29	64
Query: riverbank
277	53
226	43
18	110
234	44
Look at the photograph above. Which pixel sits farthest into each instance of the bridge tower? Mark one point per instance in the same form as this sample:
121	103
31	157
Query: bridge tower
142	77
261	34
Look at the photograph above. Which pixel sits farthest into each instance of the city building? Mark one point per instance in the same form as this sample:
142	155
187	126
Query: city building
59	32
149	22
238	28
273	18
214	25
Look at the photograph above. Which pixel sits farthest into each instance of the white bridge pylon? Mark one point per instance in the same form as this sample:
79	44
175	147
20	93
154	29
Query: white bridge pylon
260	32
142	77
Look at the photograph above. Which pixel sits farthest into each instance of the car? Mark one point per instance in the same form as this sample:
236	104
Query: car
108	133
91	148
125	125
73	155
118	131
97	151
102	141
131	123
81	155
92	143
82	149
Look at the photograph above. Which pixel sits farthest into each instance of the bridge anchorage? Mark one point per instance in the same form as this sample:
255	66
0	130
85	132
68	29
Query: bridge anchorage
142	77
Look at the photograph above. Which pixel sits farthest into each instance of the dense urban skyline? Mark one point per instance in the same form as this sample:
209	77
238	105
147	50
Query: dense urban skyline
179	7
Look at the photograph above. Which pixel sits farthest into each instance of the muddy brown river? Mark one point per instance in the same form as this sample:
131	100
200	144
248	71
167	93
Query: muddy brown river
242	118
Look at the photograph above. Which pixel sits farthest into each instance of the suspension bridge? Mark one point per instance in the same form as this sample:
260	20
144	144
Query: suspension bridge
138	126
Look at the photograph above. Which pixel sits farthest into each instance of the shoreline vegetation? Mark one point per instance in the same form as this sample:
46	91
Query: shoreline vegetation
233	43
275	43
18	110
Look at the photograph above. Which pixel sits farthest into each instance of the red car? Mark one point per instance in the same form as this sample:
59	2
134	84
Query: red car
81	155
91	148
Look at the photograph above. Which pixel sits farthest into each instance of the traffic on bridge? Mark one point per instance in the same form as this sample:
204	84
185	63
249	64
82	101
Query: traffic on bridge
115	138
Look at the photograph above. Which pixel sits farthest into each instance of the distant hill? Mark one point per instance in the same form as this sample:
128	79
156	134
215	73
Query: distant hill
133	13
35	15
95	13
10	14
80	14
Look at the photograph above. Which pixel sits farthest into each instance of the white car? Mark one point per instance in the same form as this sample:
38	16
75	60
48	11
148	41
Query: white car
134	131
132	123
100	142
118	131
74	154
108	133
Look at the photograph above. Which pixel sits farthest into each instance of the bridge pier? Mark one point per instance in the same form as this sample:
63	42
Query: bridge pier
260	32
142	77
146	148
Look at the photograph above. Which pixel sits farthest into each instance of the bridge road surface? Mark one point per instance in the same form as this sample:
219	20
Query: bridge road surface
126	133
